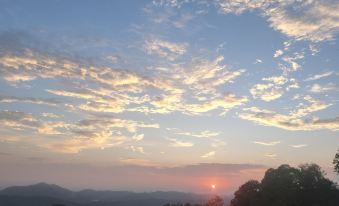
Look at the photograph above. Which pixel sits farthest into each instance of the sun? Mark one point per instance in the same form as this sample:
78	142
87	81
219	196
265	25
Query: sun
213	186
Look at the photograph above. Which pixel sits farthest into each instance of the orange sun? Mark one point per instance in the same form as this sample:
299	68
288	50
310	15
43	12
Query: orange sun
213	186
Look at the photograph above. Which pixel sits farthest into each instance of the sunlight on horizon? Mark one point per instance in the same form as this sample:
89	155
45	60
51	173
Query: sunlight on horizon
167	95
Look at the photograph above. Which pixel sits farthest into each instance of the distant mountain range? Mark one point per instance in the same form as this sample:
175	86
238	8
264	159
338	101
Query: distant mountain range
43	194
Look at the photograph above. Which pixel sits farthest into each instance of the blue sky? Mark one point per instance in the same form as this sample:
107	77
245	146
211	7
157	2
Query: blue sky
166	84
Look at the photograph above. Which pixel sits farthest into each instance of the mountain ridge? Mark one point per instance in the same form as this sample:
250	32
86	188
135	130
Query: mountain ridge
45	192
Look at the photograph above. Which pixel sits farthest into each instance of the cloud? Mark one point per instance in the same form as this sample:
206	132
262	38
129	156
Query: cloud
96	140
75	137
138	137
102	89
274	88
313	49
267	143
165	49
137	149
299	145
304	20
225	102
22	120
218	143
330	87
180	143
319	76
294	120
202	134
206	169
105	123
32	100
209	154
50	115
271	155
278	53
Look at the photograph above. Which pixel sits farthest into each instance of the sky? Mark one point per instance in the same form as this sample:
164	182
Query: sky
166	94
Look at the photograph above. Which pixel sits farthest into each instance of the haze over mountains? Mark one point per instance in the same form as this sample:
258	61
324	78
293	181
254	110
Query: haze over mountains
43	194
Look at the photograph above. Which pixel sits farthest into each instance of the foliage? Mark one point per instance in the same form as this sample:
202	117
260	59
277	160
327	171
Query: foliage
336	162
214	201
289	186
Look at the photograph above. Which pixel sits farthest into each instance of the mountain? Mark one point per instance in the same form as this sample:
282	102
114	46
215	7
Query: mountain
13	200
48	194
40	189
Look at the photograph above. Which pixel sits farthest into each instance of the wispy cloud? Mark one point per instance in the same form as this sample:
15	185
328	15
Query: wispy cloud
202	134
271	155
209	154
32	100
275	87
330	87
267	143
164	48
180	143
293	121
278	53
318	22
319	76
299	145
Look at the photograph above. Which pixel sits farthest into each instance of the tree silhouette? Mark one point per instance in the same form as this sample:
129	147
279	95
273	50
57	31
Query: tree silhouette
248	194
336	162
289	186
215	201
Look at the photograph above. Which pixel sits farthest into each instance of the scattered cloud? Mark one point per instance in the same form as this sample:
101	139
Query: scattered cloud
319	76
278	53
137	149
180	143
294	120
299	145
50	115
267	143
21	120
202	134
330	87
313	49
32	100
274	88
271	155
165	49
306	20
209	154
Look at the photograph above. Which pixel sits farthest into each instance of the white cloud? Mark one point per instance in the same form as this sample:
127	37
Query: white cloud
319	76
202	134
330	87
299	145
302	20
271	155
137	149
180	143
278	53
267	143
165	49
293	121
209	154
32	100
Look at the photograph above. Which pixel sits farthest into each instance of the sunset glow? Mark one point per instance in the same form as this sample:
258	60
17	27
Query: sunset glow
166	95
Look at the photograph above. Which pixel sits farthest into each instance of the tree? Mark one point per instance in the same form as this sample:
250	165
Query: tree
215	201
289	186
248	194
280	186
336	162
